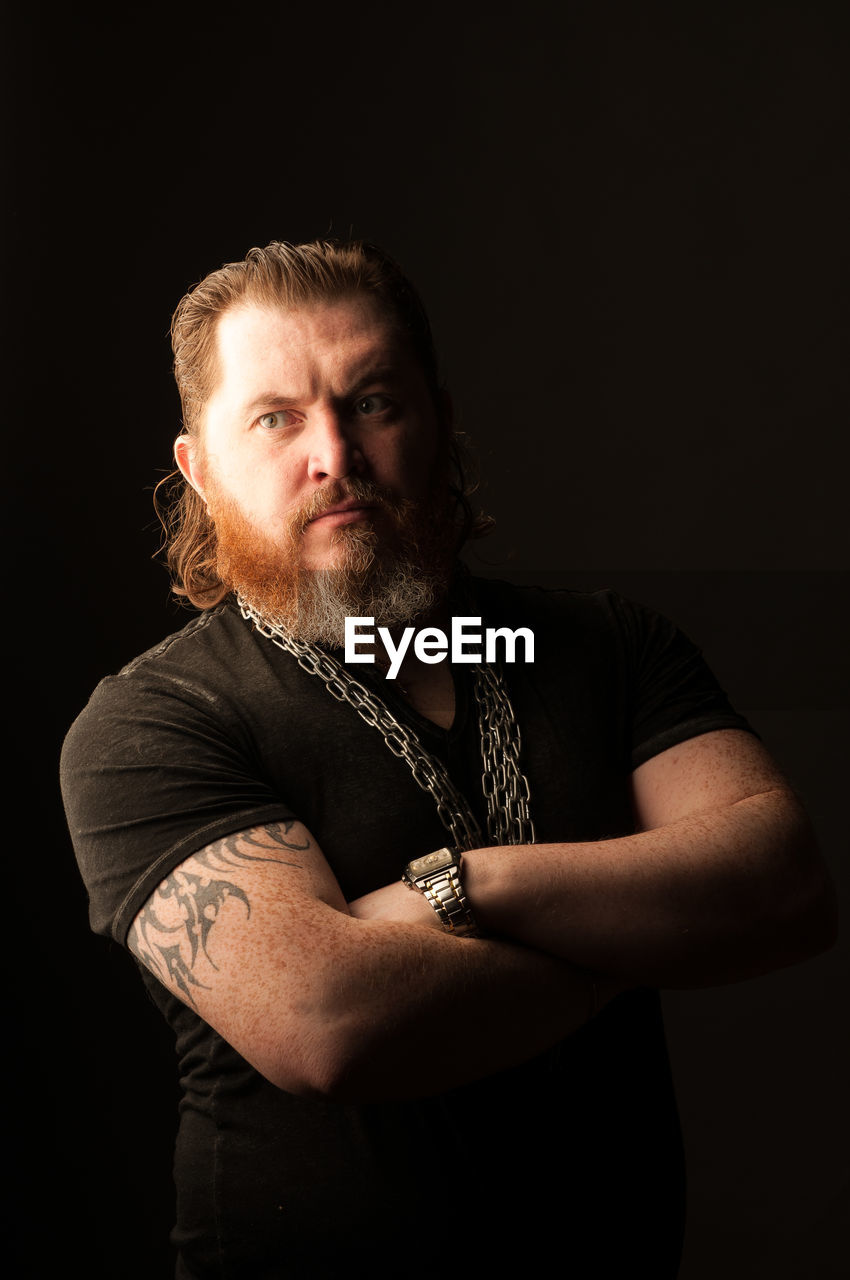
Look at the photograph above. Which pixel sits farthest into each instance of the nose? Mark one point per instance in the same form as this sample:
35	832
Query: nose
334	451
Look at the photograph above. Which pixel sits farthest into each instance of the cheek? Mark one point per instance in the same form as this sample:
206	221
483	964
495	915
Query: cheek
264	487
418	460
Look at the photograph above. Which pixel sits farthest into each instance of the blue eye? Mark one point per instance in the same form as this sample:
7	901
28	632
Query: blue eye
274	421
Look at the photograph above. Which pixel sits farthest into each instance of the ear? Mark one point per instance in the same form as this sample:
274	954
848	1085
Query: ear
187	456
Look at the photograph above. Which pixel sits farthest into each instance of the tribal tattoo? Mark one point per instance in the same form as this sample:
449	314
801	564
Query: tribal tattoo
187	904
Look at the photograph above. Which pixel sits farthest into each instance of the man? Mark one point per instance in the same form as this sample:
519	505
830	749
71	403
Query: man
465	1067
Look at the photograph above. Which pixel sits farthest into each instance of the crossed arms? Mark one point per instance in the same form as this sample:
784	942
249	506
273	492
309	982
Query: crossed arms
370	999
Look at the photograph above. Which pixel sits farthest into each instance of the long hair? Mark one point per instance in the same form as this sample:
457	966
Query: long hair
288	276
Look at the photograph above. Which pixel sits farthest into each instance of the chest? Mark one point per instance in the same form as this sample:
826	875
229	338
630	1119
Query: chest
369	799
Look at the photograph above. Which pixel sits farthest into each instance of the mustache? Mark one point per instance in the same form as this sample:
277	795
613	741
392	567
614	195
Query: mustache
352	489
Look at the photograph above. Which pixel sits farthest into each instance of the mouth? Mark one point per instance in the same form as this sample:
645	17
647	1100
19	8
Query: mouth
347	512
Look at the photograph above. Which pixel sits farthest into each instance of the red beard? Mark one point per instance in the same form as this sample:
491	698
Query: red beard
393	566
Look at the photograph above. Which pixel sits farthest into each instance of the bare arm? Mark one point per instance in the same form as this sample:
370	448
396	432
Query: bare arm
254	934
722	880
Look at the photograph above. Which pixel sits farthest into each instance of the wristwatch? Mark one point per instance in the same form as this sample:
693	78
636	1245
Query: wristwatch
437	876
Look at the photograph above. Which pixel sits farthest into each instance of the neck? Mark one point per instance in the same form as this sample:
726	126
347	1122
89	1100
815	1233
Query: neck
428	687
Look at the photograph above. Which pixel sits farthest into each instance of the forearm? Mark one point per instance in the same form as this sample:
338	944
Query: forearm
352	1002
710	898
420	1011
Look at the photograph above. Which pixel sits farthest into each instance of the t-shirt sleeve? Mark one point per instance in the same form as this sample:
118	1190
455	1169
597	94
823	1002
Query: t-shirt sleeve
672	694
151	774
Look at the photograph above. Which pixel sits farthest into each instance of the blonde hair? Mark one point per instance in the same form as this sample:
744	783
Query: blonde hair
287	275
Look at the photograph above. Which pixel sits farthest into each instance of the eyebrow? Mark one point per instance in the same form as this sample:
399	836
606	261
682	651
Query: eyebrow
371	373
267	398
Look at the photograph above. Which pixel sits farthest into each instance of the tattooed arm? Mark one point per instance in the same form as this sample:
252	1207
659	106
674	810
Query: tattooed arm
170	935
254	934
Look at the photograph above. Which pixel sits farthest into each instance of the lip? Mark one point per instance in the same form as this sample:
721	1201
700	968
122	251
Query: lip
345	512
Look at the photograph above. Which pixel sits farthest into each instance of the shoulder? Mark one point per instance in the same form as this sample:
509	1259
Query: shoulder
566	615
167	757
199	691
603	626
620	654
210	638
194	667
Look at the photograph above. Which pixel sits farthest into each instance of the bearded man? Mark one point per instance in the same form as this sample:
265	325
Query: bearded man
411	958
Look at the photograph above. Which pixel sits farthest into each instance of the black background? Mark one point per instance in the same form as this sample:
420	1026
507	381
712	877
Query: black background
629	224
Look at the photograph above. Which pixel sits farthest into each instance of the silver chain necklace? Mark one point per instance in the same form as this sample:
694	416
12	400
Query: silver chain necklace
504	784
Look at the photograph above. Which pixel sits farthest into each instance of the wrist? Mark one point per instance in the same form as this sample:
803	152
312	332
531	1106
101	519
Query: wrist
437	878
492	885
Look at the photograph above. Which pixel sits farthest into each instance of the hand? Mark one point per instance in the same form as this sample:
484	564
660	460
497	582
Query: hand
398	903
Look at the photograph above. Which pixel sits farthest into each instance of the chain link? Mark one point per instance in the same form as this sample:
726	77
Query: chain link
504	785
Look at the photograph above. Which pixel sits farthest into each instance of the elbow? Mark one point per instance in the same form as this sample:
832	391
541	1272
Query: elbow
811	916
783	912
319	1068
357	1065
360	1065
342	1077
327	1061
799	909
333	1042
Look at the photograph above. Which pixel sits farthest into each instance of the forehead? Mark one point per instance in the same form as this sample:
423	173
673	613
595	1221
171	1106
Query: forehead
297	350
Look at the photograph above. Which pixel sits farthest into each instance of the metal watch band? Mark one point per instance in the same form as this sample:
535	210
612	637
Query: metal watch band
443	889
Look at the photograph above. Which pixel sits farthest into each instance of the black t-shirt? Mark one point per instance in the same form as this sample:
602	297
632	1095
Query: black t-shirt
217	730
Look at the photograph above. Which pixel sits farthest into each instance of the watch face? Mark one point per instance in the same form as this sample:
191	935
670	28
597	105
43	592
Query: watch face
431	862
